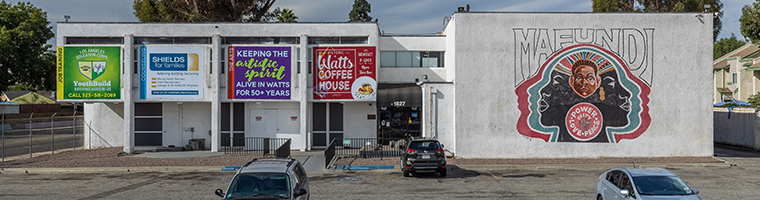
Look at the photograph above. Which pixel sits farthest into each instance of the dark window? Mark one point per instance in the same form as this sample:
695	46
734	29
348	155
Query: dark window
148	124
320	124
261	40
94	40
320	139
148	139
172	40
225	118
239	117
148	109
336	117
338	40
424	145
337	137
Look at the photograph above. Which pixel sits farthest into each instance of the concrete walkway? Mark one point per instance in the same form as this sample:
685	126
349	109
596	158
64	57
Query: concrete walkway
312	161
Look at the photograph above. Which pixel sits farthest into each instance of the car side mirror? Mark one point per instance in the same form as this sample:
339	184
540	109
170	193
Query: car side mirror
219	192
300	192
695	190
625	193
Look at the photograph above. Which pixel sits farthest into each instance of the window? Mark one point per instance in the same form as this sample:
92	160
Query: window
172	40
430	59
148	124
338	40
261	40
734	75
238	124
94	40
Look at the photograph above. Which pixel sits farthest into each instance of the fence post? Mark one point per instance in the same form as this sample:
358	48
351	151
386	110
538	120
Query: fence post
30	134
52	133
3	135
74	130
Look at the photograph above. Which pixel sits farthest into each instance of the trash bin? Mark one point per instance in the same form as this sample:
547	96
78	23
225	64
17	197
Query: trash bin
197	144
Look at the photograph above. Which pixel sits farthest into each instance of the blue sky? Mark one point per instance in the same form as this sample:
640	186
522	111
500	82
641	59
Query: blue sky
395	16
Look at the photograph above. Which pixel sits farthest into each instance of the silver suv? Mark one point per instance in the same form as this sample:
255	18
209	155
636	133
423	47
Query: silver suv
268	179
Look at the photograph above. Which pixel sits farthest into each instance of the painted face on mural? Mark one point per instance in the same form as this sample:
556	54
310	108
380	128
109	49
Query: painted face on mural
584	78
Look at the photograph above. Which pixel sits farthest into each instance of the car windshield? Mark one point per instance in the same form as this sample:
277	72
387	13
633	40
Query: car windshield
426	145
661	185
260	185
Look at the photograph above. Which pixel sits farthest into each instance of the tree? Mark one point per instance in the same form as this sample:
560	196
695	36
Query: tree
754	99
750	22
286	15
24	55
726	45
203	11
361	11
664	6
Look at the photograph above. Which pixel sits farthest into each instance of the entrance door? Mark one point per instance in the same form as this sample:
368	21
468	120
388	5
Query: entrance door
327	124
263	123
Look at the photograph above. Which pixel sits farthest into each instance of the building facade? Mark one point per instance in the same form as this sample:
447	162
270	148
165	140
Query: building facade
735	74
491	85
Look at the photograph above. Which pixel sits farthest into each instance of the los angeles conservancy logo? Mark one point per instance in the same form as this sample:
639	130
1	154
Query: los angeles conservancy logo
584	121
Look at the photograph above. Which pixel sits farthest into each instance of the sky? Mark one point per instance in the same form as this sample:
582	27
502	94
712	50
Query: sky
394	16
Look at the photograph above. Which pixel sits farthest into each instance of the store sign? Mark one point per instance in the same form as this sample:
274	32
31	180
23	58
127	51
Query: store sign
171	72
345	73
259	72
88	73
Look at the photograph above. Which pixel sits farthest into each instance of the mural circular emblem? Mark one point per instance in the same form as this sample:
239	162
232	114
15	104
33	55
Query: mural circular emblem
584	121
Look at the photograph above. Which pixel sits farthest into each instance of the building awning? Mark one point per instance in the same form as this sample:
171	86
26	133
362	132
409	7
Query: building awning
721	68
752	67
724	91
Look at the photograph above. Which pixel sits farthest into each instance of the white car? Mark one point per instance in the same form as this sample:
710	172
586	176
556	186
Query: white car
642	183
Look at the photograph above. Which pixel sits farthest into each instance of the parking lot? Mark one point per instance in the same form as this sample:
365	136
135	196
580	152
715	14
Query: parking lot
466	182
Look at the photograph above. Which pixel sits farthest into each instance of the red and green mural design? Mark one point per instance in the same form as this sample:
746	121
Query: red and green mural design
583	93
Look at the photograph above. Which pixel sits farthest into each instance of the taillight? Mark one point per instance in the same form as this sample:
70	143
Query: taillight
410	151
440	150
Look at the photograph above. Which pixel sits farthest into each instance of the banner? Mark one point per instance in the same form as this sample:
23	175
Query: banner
171	72
345	73
259	72
88	73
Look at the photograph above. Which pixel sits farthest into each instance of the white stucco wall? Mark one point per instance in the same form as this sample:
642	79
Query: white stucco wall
104	124
486	103
355	122
739	126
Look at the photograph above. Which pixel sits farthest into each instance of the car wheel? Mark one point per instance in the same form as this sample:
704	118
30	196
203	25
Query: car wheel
407	174
442	172
599	197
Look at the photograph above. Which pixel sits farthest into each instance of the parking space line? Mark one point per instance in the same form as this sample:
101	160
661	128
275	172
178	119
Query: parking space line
379	179
494	176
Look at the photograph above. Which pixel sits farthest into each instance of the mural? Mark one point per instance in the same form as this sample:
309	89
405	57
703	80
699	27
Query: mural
583	93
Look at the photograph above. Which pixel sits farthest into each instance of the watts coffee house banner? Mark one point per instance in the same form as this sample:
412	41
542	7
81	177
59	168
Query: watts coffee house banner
259	72
88	73
345	73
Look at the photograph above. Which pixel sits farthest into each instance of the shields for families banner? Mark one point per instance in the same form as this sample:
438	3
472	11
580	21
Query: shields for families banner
259	72
345	73
88	73
171	72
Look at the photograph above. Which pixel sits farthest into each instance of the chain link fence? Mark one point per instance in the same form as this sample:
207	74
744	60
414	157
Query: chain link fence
40	134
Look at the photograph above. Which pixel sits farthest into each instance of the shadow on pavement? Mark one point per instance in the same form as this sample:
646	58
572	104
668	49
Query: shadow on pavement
453	171
725	150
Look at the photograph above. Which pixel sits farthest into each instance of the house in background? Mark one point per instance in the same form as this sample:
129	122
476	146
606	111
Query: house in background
736	75
37	102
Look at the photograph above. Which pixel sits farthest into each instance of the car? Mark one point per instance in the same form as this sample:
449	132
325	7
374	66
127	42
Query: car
423	155
275	178
642	183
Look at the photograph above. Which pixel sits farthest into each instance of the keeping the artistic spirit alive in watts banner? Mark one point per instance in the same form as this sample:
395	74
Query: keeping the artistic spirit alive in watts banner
345	73
583	93
171	72
259	72
88	73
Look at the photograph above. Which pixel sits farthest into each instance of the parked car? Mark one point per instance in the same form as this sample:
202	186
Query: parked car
642	183
268	179
423	155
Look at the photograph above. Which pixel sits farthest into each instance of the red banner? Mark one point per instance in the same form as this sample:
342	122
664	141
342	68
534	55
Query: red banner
345	73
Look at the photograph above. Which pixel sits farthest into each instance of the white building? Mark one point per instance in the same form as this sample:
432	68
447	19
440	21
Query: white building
491	85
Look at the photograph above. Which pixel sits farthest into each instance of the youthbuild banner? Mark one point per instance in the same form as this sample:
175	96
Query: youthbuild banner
345	73
88	73
171	72
258	72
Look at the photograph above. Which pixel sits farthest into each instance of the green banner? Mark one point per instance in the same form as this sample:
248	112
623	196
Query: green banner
89	73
